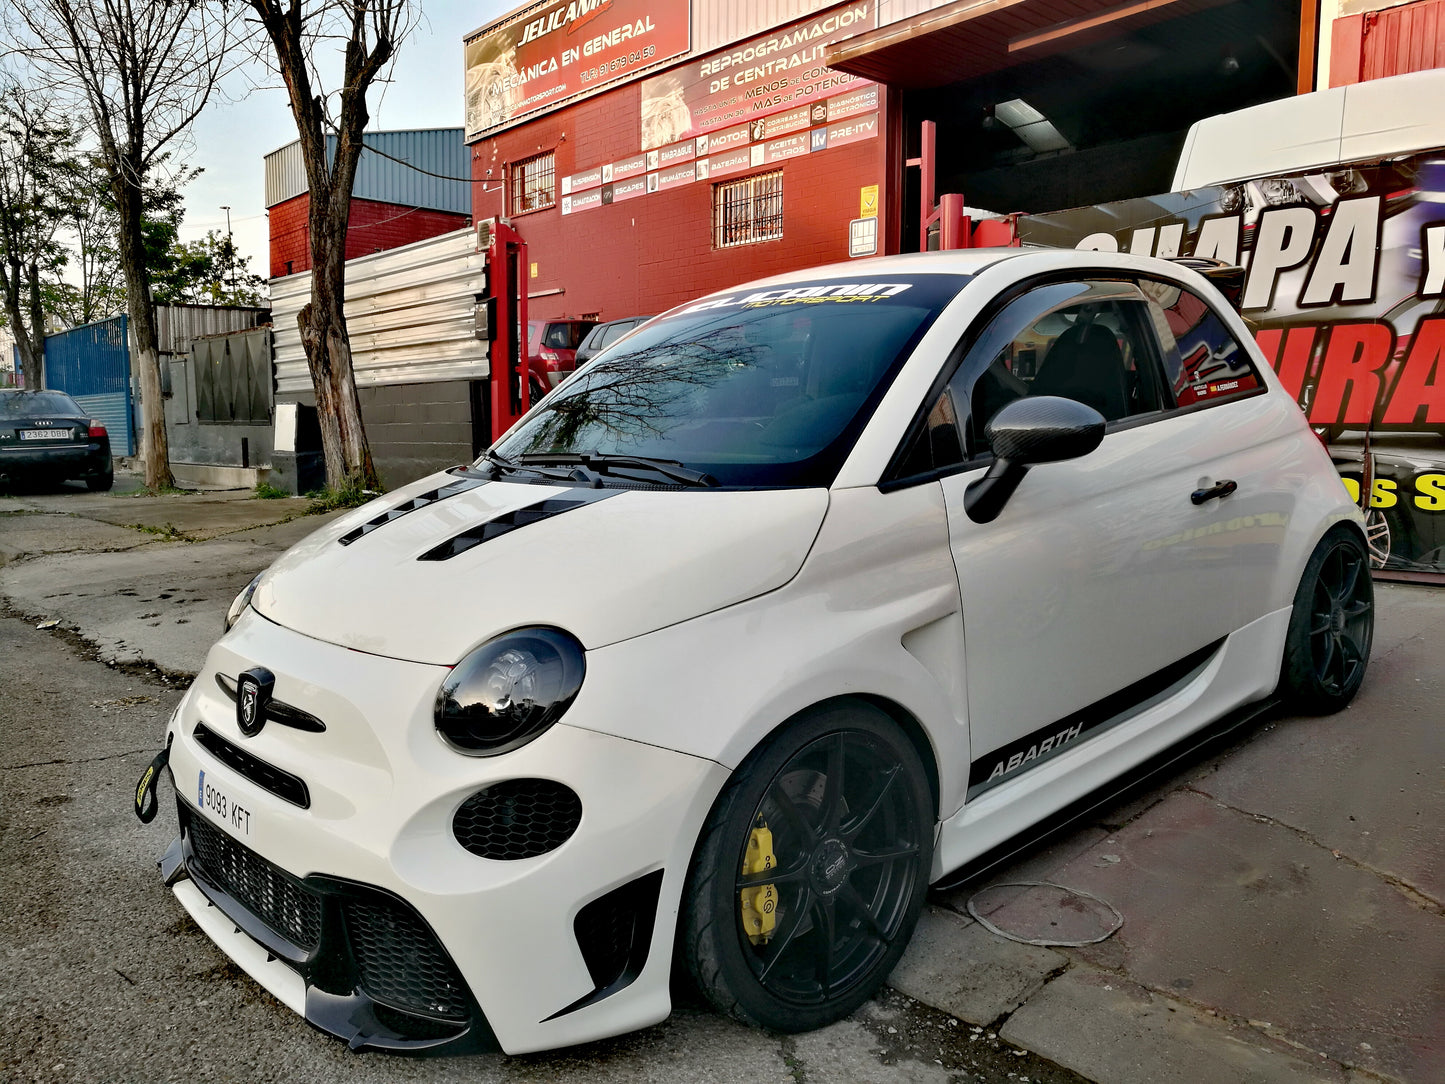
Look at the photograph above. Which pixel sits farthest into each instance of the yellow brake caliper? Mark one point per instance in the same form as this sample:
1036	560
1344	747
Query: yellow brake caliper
759	904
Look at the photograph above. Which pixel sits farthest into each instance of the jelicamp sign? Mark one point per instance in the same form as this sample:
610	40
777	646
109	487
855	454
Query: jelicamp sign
1345	286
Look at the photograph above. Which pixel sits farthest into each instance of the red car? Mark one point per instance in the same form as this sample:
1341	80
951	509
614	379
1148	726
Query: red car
552	351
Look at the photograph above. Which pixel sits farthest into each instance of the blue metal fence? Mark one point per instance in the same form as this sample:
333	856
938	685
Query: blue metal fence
91	364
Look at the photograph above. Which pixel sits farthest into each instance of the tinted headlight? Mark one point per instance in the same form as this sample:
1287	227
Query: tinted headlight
509	690
242	601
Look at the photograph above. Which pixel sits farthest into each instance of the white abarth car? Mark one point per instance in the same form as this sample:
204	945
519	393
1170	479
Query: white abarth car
804	597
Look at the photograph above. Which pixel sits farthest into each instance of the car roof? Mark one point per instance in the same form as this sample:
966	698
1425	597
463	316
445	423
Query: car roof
968	263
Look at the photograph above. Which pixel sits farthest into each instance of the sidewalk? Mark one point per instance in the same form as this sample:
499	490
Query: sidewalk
1282	901
142	579
1282	904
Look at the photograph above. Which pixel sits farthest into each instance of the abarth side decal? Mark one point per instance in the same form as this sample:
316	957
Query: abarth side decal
510	521
1007	763
451	489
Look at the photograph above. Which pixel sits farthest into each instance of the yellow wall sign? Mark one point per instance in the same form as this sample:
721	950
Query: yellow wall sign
534	270
868	201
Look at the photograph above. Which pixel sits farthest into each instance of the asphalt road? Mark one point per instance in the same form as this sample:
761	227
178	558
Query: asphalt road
105	977
1282	897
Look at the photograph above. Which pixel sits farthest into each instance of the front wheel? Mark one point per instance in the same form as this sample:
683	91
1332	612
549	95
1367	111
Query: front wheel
811	871
1328	645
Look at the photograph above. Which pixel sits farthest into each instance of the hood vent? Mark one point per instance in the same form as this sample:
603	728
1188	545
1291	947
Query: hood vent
450	490
522	517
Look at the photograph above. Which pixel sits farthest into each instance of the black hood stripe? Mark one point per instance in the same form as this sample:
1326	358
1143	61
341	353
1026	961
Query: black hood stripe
510	521
451	489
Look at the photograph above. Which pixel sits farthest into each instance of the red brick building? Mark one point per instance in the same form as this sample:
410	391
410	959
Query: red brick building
651	150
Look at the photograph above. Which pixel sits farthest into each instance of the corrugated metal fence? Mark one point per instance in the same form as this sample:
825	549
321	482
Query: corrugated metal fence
409	312
233	378
91	364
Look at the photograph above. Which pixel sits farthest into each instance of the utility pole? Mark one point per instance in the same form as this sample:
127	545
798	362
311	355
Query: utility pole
230	248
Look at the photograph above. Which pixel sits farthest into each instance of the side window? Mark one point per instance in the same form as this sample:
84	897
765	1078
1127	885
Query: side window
1203	361
1094	342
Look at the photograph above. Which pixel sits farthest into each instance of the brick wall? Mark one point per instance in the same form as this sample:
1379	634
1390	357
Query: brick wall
373	227
652	252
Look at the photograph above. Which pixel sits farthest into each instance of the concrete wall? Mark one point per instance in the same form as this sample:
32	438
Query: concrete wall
414	430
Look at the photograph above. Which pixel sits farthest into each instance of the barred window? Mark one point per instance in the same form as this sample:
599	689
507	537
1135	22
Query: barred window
748	210
534	183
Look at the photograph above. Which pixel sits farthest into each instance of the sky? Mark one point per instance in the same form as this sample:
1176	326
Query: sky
233	136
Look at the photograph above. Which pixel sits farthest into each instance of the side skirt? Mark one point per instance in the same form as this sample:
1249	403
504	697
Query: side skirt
1210	739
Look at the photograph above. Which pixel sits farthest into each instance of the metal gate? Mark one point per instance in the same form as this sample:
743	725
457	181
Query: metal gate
91	364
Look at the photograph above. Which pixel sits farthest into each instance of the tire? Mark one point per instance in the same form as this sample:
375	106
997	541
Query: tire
100	483
535	391
1327	648
850	809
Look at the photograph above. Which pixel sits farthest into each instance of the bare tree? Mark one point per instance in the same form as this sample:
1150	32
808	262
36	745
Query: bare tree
37	162
369	32
143	70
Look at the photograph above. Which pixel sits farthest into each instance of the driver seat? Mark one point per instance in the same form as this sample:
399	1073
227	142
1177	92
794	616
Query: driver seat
1086	365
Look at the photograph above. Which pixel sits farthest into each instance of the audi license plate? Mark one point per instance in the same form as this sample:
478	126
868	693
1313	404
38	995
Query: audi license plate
45	434
221	807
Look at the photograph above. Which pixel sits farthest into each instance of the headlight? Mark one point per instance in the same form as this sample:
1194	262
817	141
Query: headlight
242	601
509	690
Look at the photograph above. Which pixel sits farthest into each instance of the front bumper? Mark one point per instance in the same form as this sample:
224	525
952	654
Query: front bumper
375	847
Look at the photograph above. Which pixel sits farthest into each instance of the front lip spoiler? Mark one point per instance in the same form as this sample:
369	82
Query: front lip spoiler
354	1017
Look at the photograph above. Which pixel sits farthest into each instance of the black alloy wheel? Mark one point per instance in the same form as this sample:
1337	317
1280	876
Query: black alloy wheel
1331	629
844	812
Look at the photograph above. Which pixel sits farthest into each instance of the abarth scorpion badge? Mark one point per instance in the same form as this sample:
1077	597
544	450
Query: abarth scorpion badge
253	694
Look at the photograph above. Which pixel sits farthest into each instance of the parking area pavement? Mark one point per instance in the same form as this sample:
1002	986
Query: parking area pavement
1281	900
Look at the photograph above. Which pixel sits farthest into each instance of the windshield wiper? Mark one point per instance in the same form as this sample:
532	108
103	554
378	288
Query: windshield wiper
606	462
501	464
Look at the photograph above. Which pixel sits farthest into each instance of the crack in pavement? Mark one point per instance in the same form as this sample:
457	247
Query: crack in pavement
80	760
1419	898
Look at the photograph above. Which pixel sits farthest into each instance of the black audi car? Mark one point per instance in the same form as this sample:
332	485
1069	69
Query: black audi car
46	437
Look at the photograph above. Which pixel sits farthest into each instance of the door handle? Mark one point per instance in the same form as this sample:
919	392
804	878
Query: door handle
1222	488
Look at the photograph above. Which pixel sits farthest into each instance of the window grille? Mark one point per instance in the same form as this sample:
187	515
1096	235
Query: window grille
748	211
534	183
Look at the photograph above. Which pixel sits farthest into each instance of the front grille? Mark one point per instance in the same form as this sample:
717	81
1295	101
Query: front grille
398	959
278	781
518	818
273	896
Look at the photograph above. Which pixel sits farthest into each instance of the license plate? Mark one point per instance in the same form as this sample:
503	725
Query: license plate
221	807
45	434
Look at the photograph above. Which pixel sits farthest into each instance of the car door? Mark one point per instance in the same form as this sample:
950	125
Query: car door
1103	583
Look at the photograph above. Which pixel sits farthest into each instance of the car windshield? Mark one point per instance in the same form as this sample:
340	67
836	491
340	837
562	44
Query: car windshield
763	387
37	404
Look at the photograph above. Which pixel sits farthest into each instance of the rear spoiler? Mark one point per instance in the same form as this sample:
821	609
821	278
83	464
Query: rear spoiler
1226	278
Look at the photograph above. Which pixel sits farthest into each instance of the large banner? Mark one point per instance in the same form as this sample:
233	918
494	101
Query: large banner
782	71
1345	286
559	49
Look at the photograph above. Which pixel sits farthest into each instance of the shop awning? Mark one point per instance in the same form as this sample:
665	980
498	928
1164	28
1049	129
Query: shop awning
968	38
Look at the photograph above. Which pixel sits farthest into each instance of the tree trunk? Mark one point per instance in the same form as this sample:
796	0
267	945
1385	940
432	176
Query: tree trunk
146	358
36	362
328	352
21	287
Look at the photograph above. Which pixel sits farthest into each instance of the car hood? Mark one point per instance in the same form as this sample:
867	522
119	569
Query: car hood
426	573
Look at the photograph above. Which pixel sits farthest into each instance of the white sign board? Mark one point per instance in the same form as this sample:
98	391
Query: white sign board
285	439
863	237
